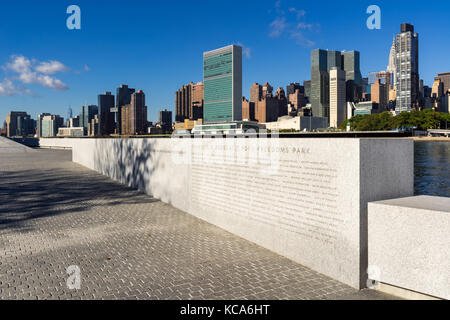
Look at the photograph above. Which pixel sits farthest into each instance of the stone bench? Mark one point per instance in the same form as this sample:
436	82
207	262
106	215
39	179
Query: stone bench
409	244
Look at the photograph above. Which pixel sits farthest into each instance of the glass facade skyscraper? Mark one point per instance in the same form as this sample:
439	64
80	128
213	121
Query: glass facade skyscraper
222	74
322	61
106	117
320	82
123	98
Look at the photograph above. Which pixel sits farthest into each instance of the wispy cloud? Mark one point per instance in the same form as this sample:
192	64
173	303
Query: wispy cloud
277	27
291	24
7	88
246	51
51	67
30	71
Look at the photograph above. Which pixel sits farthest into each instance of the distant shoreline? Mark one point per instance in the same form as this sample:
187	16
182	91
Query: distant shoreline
437	139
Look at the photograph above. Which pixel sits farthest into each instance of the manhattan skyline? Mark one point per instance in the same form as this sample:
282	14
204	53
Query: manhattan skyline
47	68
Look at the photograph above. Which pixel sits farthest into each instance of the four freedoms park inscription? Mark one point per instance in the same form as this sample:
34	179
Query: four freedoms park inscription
305	199
302	198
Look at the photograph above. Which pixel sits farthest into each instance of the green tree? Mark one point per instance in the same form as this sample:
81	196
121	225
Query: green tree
422	120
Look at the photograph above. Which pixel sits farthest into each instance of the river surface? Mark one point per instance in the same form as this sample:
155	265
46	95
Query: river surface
432	168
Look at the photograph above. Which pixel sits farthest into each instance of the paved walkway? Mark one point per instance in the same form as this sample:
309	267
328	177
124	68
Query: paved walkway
54	214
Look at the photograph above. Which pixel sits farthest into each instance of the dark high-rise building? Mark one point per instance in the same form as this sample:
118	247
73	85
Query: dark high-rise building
320	83
307	86
182	103
123	98
407	68
87	113
426	92
106	117
19	124
353	77
334	60
322	61
351	66
280	95
134	115
165	120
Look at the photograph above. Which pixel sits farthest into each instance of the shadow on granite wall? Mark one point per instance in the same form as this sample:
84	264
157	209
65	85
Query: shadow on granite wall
132	162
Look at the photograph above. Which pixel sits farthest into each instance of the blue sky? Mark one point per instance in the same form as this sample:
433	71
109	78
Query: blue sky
157	46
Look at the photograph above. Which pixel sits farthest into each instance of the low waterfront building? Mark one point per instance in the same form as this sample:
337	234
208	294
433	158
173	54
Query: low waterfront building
298	123
71	132
366	108
228	128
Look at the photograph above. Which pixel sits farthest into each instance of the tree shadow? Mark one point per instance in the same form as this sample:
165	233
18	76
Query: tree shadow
132	162
41	192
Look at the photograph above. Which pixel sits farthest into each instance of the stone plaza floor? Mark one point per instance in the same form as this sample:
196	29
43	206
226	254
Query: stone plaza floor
54	214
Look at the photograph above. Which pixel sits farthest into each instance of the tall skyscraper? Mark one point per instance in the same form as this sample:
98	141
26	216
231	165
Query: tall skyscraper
256	92
392	68
87	113
320	92
69	113
248	110
19	123
322	62
183	103
222	73
338	105
379	94
351	66
445	79
297	100
407	68
189	102
106	117
267	90
49	125
123	98
165	119
134	115
280	95
307	85
40	117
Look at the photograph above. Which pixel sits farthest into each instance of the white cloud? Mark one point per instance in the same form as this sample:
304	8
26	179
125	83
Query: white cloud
245	50
7	88
19	64
277	27
86	68
51	67
292	25
34	72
